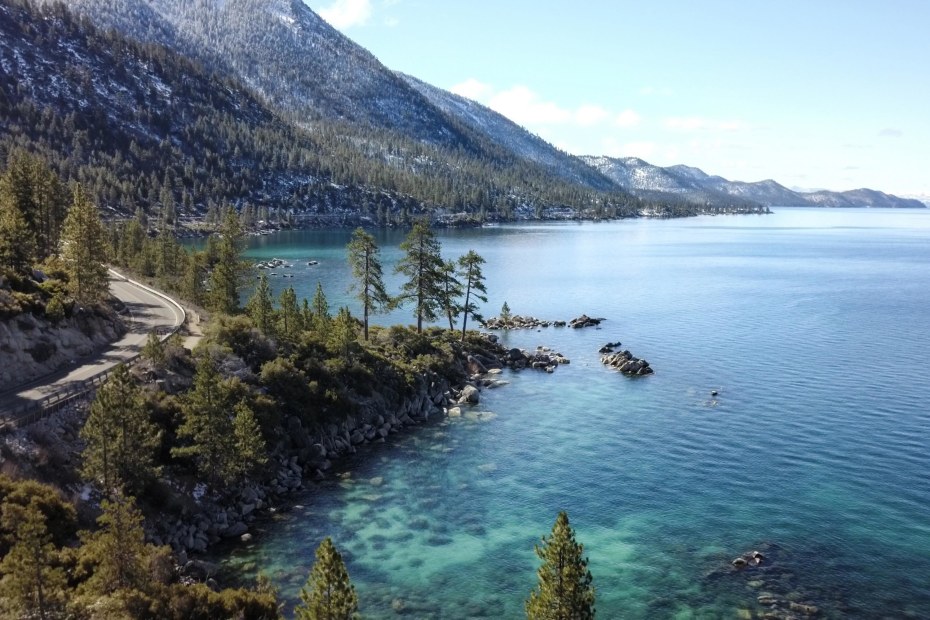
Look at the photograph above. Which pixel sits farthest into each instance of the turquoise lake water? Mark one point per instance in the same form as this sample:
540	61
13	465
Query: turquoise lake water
811	324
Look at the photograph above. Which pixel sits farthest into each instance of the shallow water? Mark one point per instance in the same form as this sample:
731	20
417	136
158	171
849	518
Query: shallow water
811	324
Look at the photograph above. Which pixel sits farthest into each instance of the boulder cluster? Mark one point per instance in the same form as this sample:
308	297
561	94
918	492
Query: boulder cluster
624	361
530	322
520	322
543	358
584	321
774	588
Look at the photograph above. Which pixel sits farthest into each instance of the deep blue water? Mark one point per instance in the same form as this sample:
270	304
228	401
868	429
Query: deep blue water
811	324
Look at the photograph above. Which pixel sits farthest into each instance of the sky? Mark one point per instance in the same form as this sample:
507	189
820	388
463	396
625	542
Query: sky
816	94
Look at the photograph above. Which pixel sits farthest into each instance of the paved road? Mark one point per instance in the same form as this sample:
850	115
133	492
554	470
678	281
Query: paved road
146	311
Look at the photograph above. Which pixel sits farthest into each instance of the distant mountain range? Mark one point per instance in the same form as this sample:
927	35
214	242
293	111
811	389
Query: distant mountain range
646	180
184	103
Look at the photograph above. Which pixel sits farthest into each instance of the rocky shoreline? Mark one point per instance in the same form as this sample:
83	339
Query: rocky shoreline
530	322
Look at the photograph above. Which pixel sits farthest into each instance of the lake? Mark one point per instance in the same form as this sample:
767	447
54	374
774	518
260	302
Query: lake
810	324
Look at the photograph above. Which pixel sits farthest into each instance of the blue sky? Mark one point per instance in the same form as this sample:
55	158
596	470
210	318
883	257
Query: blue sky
814	94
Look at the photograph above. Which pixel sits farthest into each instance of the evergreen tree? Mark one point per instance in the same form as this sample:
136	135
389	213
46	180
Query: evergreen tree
224	436
260	306
505	312
290	322
116	550
154	350
228	271
30	187
473	278
17	249
250	446
319	307
84	249
449	293
343	333
32	584
565	590
366	268
328	593
422	264
120	440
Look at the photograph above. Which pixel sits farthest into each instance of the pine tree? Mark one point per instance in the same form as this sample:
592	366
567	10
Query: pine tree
117	549
505	312
320	311
154	350
473	278
450	292
32	584
120	440
17	249
224	435
84	249
343	333
250	445
565	590
229	271
260	306
30	187
328	593
422	265
290	322
366	268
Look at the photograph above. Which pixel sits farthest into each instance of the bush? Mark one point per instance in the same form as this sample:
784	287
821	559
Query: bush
55	310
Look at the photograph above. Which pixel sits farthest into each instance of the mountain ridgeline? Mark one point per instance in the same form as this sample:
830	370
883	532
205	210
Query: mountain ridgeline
172	107
653	182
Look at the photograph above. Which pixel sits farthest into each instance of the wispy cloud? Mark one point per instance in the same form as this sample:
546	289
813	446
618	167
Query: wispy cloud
698	123
526	107
344	14
890	132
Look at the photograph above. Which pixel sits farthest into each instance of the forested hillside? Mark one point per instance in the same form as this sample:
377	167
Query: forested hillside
144	128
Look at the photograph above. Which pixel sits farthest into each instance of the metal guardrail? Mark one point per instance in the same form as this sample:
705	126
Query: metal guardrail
29	413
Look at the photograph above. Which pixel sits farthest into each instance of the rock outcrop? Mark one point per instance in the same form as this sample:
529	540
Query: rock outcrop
585	321
32	347
624	361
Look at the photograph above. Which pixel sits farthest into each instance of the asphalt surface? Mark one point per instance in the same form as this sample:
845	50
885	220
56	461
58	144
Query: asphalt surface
145	311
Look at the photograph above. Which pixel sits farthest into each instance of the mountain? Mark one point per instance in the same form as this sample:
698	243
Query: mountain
511	137
287	54
676	183
144	126
862	198
693	184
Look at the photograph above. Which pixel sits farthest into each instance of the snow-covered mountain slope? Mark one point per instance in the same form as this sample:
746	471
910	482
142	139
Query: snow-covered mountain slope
511	137
644	179
287	53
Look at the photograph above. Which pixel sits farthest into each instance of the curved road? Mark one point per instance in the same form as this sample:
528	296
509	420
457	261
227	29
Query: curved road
147	310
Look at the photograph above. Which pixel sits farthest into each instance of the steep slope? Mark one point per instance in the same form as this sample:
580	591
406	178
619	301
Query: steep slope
511	137
133	121
288	54
144	127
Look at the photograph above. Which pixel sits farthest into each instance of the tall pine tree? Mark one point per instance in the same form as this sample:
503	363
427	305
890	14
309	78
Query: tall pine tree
422	264
328	593
229	271
473	280
120	439
565	590
84	249
366	268
32	584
